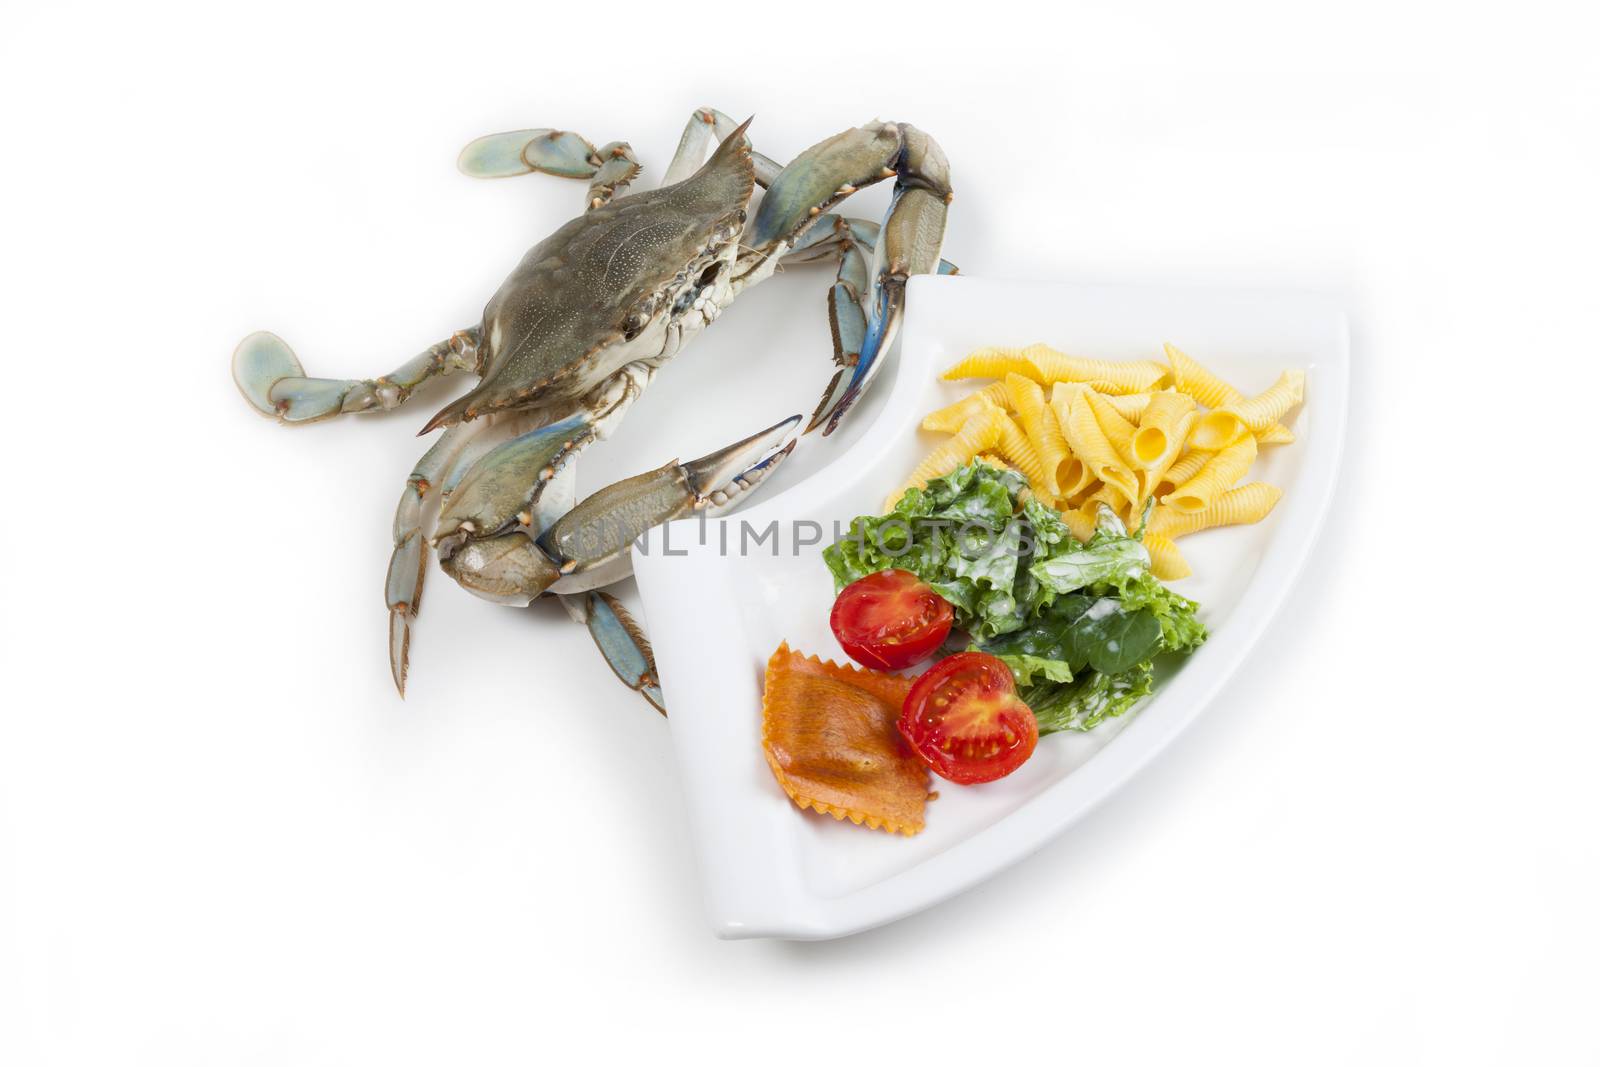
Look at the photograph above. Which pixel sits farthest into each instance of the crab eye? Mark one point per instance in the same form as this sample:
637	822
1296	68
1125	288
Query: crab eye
632	325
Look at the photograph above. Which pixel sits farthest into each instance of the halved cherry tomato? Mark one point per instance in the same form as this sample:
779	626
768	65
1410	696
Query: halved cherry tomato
964	718
890	620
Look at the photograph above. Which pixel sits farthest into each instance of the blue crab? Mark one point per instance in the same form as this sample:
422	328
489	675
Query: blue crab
581	326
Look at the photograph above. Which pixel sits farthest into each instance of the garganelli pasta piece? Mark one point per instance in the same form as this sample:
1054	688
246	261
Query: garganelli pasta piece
1130	406
1111	497
1081	520
1219	474
1118	430
1013	444
1276	434
1190	377
1090	444
989	429
1237	507
1027	400
1166	562
950	419
1135	376
1045	365
991	363
1076	476
1186	466
1256	415
977	434
830	736
1082	496
1163	428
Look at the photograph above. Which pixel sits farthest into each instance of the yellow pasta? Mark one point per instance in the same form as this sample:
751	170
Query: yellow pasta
1166	562
1081	520
1237	507
1075	477
1090	444
991	363
1219	474
1112	497
1082	496
1045	365
1190	377
1276	434
1163	428
1027	400
1136	376
1118	430
1256	415
1186	466
978	434
1013	444
1088	432
952	418
1130	406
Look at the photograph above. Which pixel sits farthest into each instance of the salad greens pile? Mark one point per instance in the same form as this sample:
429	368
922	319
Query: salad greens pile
1079	624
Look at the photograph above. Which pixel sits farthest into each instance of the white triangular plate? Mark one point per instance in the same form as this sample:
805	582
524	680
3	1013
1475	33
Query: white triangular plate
715	616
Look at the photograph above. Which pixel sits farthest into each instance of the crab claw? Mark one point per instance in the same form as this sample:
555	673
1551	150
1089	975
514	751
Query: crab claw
591	541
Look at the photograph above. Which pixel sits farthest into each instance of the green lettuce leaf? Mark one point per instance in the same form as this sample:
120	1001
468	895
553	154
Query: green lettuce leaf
1090	700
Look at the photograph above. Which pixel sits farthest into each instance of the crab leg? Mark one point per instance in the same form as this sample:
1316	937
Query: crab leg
270	377
852	242
707	128
504	155
559	152
493	539
408	564
621	641
617	169
590	543
908	244
832	232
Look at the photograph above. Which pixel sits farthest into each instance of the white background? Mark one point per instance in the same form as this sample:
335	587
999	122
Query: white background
224	840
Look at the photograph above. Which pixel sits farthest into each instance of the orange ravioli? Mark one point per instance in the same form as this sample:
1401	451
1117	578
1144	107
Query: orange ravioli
829	734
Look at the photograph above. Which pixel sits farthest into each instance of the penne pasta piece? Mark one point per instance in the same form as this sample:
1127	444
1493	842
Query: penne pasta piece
1039	423
952	418
1237	507
1163	429
1220	472
1090	444
1166	562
